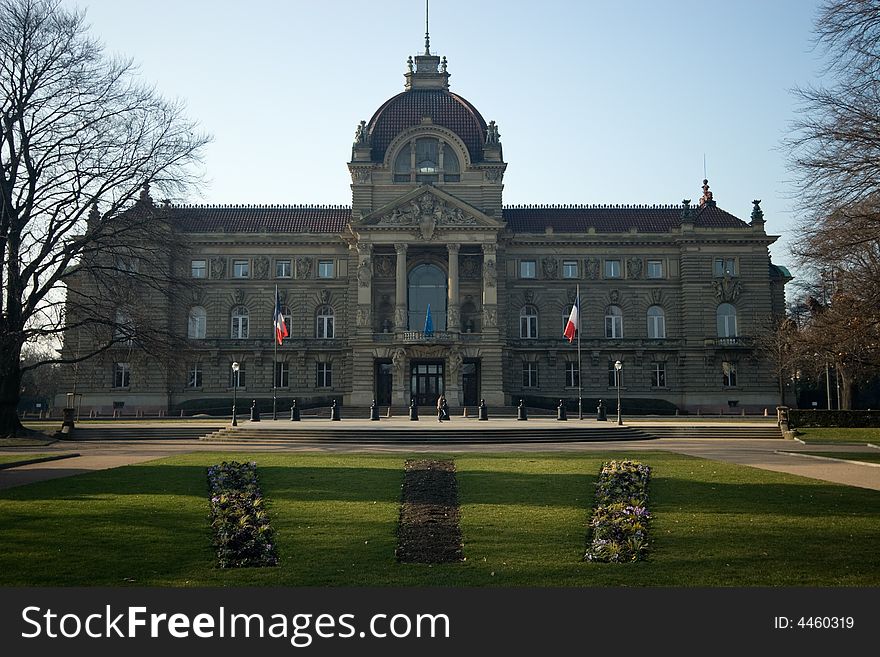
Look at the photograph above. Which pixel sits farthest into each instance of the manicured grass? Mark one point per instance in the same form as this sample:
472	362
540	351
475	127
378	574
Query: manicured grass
26	441
867	457
523	519
824	435
15	458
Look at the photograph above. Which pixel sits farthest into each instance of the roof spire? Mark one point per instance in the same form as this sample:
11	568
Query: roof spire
706	199
427	34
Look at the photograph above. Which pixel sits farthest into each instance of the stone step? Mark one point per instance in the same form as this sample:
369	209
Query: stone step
140	433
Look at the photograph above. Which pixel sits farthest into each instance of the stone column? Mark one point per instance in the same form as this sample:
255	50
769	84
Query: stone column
400	310
490	289
365	288
452	310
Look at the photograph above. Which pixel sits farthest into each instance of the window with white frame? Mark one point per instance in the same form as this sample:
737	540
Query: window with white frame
655	269
325	323
324	375
612	269
238	379
658	375
198	323
240	323
194	378
326	269
283	269
724	267
241	268
728	374
530	375
121	375
572	375
569	269
198	268
528	322
282	375
614	322
527	269
656	323
726	320
615	376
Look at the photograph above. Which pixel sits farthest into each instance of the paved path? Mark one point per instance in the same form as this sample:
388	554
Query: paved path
757	453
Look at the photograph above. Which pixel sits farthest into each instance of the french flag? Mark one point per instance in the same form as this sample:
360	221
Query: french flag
571	327
280	326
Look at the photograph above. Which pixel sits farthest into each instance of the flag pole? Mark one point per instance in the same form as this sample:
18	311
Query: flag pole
275	359
577	300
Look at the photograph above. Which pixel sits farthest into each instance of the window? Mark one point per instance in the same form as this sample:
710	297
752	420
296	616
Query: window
565	315
728	374
283	269
241	268
615	376
724	267
195	376
656	323
324	375
569	269
427	286
127	264
199	268
658	375
121	375
124	330
432	157
282	375
325	269
655	269
726	316
612	269
530	375
324	328
528	322
237	379
240	328
614	322
572	375
527	269
285	313
198	322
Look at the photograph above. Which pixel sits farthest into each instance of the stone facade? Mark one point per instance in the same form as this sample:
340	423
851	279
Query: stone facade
678	294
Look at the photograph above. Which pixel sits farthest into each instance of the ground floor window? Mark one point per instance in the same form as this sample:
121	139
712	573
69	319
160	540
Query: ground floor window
282	375
658	375
728	374
324	375
195	376
530	375
615	376
237	379
572	375
121	375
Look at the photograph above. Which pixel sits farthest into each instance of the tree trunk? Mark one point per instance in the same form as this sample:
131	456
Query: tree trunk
10	388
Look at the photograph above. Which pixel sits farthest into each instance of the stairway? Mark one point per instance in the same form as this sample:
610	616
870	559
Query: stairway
723	431
135	432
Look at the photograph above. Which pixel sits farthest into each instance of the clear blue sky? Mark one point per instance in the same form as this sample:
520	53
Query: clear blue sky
597	102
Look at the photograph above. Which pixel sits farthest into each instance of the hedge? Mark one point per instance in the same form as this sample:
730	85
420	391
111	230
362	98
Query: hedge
802	418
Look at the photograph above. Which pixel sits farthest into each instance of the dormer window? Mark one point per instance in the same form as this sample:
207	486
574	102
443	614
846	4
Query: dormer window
427	160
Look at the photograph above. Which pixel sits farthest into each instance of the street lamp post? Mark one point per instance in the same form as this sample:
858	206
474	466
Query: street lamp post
617	367
235	368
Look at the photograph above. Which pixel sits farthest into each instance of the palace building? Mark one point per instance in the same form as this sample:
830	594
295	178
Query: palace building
679	294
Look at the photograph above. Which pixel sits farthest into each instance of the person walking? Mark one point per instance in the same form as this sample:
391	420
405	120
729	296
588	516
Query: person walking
441	402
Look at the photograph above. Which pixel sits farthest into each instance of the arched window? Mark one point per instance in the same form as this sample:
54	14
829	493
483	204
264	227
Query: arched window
427	285
325	323
726	316
240	327
198	322
470	318
656	323
528	322
433	157
613	322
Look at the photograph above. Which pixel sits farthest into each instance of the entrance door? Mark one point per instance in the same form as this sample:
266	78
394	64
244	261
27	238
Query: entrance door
383	383
426	382
470	383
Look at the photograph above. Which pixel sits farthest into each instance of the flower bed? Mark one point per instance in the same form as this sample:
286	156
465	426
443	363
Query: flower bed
619	526
242	534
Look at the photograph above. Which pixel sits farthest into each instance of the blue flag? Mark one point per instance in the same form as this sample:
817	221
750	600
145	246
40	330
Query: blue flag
429	323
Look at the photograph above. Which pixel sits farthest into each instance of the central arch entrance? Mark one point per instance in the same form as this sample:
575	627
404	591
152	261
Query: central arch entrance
426	382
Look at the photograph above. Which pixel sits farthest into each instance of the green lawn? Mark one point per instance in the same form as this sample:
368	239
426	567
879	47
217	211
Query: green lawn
868	457
523	520
15	458
826	435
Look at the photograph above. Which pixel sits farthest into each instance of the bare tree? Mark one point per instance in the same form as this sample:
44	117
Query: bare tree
79	132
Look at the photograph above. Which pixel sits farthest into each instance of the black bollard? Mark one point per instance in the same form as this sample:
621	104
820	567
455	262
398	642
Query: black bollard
521	411
374	412
413	410
335	411
560	411
255	412
294	412
601	415
483	411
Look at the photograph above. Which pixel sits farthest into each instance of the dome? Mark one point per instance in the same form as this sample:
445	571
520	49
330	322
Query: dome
445	108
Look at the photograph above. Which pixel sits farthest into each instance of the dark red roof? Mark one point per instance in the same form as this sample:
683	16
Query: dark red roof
614	219
445	108
260	219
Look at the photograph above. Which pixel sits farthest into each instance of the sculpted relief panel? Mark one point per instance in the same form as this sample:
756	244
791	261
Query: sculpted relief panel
426	213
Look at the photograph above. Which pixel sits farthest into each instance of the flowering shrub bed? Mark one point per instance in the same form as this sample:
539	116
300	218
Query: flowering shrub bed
619	526
242	535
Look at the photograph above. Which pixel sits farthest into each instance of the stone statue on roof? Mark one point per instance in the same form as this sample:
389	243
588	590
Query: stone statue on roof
492	135
361	135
